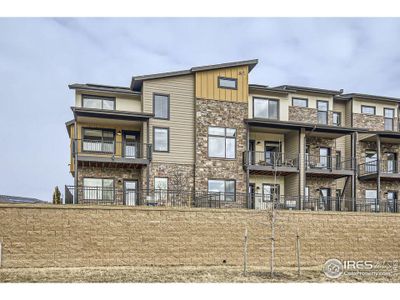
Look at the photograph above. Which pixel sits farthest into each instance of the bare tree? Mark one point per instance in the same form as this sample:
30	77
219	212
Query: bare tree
179	182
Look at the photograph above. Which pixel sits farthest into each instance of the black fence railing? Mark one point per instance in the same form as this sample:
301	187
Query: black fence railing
270	159
124	149
259	201
321	162
386	166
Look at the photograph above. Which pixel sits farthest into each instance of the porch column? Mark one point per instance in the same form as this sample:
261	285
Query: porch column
378	177
302	167
75	147
247	167
148	166
354	139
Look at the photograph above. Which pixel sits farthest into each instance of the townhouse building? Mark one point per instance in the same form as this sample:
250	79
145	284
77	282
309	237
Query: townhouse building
208	132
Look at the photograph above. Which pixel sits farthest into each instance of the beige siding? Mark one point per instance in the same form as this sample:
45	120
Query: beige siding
379	105
284	103
292	145
207	84
292	185
261	137
181	122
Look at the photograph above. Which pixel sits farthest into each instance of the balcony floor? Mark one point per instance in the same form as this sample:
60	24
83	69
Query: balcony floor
107	161
269	170
329	173
384	176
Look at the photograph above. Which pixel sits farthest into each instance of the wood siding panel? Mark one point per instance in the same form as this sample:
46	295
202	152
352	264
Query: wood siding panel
207	84
181	122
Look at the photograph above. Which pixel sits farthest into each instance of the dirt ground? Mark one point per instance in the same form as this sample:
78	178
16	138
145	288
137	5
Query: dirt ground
210	274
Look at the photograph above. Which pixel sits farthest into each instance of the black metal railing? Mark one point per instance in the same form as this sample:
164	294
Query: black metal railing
386	166
199	199
321	162
124	149
271	159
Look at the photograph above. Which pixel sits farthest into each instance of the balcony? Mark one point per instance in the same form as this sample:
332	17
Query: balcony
328	166
266	163
109	153
389	170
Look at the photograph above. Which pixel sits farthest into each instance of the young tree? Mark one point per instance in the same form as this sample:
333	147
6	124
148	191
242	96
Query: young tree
57	196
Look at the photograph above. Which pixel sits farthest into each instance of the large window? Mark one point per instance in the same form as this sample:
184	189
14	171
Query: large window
222	142
368	110
371	196
265	108
337	118
98	140
98	102
322	107
227	83
98	189
389	116
161	106
222	189
161	139
300	102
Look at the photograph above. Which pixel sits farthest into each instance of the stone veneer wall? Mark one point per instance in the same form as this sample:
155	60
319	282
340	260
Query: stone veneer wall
221	114
79	236
315	183
317	142
306	115
369	122
183	173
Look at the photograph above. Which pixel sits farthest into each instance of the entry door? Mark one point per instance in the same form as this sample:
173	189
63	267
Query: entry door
324	158
269	191
370	161
252	153
130	192
131	144
325	198
252	190
391	162
272	154
392	201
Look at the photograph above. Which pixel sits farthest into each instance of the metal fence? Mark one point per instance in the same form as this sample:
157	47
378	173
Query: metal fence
328	162
257	201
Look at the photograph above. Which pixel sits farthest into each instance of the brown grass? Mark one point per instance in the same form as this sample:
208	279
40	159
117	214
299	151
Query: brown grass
175	274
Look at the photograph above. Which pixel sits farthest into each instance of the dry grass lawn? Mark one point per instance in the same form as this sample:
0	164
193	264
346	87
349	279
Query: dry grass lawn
176	274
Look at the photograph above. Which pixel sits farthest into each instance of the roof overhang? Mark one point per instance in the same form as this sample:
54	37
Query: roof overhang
295	88
267	89
137	81
388	137
367	97
104	88
110	114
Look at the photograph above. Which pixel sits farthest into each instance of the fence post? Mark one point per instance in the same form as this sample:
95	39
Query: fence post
245	253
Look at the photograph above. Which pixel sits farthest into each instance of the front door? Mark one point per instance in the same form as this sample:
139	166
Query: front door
130	192
131	144
252	153
371	159
392	201
272	154
390	164
324	197
324	158
252	191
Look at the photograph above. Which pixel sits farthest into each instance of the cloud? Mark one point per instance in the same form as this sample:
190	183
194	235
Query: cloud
40	57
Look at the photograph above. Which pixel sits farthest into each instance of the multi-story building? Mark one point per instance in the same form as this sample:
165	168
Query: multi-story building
209	132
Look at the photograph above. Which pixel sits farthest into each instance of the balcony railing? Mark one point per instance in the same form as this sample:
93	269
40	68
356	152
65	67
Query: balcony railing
321	162
198	199
128	150
386	166
270	159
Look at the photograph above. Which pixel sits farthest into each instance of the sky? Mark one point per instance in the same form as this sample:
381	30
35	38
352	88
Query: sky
39	57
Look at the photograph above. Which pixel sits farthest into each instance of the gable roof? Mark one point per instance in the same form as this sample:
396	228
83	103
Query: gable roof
137	81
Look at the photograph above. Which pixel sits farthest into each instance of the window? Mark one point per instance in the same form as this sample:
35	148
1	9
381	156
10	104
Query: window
265	108
227	83
371	161
161	106
369	110
161	189
98	102
224	188
322	107
98	189
161	139
371	196
222	142
300	102
270	192
98	140
337	118
389	115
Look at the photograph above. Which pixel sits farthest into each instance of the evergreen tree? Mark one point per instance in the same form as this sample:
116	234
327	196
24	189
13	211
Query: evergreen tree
56	196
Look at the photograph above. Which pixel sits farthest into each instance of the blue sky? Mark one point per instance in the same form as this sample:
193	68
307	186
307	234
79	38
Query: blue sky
40	57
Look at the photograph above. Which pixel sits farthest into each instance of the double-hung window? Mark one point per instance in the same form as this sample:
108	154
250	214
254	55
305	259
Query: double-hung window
222	189
161	106
389	116
265	108
161	139
98	189
98	140
98	102
222	142
322	107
